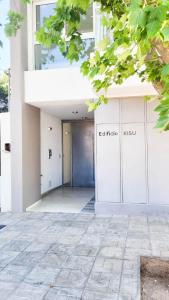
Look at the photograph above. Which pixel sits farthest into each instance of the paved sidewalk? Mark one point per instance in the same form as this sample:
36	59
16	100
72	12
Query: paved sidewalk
76	256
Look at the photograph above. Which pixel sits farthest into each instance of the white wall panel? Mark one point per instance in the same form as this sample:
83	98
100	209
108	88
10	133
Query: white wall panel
134	163
133	166
51	169
158	166
108	163
151	114
132	110
109	113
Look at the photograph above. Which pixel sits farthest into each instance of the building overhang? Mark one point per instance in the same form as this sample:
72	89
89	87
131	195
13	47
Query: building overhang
68	84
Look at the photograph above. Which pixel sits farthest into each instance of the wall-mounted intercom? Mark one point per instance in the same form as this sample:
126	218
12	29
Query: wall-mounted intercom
7	147
50	153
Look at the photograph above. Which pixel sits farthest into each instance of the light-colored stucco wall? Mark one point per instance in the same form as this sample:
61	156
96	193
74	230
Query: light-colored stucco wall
0	161
25	126
132	165
5	190
68	84
51	138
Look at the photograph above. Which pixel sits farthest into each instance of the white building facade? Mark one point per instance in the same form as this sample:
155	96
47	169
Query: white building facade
122	155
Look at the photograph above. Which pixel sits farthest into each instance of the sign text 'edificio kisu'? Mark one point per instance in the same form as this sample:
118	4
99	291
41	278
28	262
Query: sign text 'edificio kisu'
116	133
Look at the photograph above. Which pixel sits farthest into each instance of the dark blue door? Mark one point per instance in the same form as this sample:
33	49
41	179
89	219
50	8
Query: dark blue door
83	154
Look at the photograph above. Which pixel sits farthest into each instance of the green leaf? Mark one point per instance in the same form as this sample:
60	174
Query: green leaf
148	98
14	22
165	33
153	28
135	4
91	105
165	70
162	122
137	18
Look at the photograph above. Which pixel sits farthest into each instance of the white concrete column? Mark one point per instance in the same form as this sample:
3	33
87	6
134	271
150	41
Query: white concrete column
25	126
5	189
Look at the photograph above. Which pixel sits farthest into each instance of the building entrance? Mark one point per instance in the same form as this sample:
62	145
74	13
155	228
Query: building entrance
78	154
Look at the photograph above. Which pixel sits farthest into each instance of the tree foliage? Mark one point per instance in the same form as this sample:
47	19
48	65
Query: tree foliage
14	21
137	42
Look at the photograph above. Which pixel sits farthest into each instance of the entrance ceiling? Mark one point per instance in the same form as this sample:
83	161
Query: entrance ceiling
67	111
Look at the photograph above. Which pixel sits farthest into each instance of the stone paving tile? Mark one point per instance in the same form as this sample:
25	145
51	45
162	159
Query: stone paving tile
61	249
119	227
97	228
131	253
80	224
82	263
131	267
119	219
27	258
92	295
42	276
14	273
3	242
159	228
51	260
58	227
71	278
127	297
69	239
27	291
160	245
129	286
138	243
7	289
33	226
63	294
164	254
77	256
137	220
11	234
85	250
9	218
53	217
113	252
66	217
72	230
6	257
104	282
114	241
138	234
29	237
16	245
108	265
92	239
39	246
85	217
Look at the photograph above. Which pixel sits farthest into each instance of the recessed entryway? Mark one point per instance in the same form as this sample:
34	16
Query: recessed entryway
67	165
65	199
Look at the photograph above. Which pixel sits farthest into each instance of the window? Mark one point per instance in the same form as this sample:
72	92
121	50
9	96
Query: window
87	22
42	12
52	58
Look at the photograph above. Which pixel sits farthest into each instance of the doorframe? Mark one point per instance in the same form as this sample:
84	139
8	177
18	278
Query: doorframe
63	122
73	121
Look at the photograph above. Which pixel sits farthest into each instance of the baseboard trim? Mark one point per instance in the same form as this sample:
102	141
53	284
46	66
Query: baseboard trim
105	208
52	190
